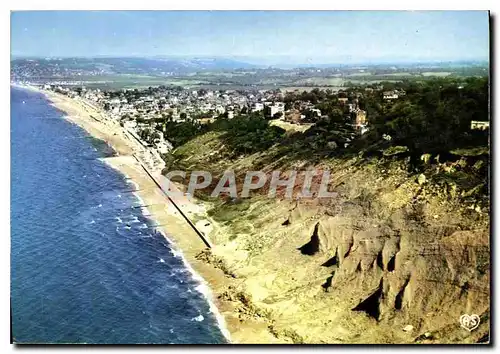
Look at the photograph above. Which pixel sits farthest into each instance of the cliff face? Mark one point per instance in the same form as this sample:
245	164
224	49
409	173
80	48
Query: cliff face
394	258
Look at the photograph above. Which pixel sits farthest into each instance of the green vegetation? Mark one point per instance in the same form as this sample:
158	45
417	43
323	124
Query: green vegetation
428	129
181	132
248	134
228	211
243	134
394	150
433	117
119	73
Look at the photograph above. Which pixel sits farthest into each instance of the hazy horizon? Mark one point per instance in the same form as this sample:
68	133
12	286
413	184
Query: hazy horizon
256	37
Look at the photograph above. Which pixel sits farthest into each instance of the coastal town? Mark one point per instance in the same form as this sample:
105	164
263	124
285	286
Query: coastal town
213	177
143	112
144	115
257	128
180	104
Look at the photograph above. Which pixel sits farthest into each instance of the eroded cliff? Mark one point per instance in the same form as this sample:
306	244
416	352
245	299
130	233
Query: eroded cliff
395	257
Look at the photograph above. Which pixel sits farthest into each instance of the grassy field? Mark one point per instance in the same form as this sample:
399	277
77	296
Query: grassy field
133	81
320	81
437	73
252	80
310	88
289	126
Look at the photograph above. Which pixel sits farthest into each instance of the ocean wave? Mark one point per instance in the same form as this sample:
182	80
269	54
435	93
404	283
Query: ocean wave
113	264
202	288
175	253
145	211
135	220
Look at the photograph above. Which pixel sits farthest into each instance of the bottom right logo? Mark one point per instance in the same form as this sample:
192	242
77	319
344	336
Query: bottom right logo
469	322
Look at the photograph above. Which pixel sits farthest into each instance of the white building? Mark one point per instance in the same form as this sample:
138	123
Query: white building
256	107
316	111
479	125
162	148
130	124
219	109
390	95
278	108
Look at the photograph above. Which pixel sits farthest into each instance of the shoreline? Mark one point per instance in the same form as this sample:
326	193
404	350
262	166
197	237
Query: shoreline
177	232
316	273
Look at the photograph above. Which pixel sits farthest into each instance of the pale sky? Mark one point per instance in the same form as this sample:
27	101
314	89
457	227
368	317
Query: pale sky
296	36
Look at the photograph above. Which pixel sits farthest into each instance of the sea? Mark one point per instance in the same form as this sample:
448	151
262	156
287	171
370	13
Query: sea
87	264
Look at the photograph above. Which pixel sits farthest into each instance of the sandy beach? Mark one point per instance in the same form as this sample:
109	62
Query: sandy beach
358	269
186	242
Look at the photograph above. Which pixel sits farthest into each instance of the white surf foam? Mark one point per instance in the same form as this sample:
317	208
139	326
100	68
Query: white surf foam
202	288
141	202
133	182
144	210
198	318
175	253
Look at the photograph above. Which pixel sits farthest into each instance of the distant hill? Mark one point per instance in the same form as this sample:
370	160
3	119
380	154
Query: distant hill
63	67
